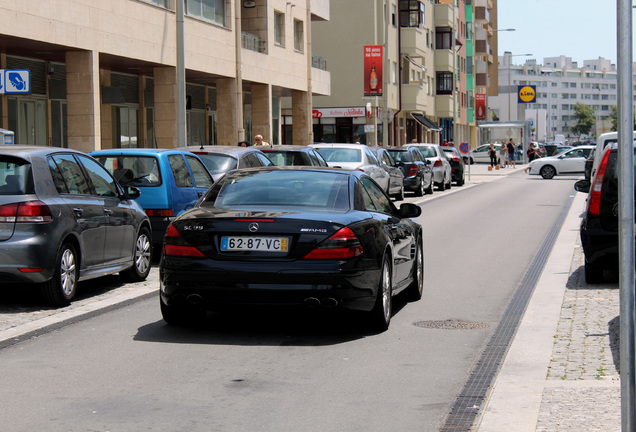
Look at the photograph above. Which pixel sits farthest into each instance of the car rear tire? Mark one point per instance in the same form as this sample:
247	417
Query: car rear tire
429	190
400	195
380	315
420	189
450	182
593	273
442	185
142	259
460	181
415	289
60	289
547	172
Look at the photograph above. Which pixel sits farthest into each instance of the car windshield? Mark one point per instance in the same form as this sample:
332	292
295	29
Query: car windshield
285	158
336	154
132	170
400	156
15	176
217	163
428	152
247	189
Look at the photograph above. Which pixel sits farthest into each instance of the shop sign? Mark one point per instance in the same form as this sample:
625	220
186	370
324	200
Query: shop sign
338	112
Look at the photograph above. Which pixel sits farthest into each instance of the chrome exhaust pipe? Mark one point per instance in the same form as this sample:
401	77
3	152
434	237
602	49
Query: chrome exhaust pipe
312	302
330	302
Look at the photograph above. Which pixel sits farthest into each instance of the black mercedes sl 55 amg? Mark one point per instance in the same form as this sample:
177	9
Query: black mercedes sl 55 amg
292	236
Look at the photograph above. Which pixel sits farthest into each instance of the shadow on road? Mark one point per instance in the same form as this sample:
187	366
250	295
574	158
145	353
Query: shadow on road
267	326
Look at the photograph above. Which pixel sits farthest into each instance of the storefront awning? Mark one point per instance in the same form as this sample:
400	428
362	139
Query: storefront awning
426	122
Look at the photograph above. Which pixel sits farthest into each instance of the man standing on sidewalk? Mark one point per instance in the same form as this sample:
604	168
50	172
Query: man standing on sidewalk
511	152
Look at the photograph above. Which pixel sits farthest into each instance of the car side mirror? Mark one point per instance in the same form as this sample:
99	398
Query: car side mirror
582	186
409	210
465	158
131	192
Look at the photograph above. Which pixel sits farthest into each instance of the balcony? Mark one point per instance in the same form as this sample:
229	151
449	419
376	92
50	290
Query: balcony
319	10
318	62
415	97
482	47
444	106
482	15
413	42
253	42
444	16
444	60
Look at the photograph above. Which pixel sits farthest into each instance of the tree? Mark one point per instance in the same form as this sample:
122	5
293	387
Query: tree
584	116
614	116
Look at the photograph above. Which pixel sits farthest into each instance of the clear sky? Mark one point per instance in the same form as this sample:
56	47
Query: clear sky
580	29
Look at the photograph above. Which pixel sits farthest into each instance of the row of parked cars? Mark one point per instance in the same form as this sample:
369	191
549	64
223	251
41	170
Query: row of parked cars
66	216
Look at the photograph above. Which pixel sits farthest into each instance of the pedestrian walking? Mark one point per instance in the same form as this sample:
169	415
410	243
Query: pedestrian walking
532	155
511	147
492	152
503	156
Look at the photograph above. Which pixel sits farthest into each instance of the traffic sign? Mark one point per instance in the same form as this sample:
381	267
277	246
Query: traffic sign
464	148
15	81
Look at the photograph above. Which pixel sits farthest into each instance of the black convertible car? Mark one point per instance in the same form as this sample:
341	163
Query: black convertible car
292	236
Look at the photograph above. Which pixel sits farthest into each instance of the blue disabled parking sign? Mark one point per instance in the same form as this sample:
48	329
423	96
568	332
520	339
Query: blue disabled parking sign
14	81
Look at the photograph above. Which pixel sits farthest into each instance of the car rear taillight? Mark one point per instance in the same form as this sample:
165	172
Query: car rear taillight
344	244
597	186
412	171
438	163
175	245
159	212
26	212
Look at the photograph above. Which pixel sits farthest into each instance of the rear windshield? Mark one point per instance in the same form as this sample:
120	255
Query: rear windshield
334	154
428	152
285	158
217	163
401	155
133	170
15	176
320	190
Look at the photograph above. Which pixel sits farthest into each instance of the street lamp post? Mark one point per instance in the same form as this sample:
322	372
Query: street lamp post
510	56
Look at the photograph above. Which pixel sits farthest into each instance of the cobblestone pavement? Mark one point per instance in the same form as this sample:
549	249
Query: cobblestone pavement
583	388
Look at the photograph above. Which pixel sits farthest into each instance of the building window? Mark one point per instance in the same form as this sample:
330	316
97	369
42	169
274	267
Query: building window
212	10
162	3
443	38
393	15
412	13
299	36
444	83
279	28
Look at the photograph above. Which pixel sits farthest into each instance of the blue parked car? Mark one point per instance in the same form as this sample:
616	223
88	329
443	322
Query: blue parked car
171	181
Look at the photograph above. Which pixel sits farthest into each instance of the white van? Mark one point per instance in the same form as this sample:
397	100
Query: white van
603	141
560	138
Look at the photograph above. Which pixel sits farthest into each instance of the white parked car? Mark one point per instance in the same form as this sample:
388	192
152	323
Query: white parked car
442	171
354	157
480	154
569	162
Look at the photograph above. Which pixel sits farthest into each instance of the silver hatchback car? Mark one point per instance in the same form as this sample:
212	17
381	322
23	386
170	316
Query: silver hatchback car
63	219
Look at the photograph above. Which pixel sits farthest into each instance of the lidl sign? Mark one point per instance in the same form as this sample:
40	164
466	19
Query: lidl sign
15	81
527	93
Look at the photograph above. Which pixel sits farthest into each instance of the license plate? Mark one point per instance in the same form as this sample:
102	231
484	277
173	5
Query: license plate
266	244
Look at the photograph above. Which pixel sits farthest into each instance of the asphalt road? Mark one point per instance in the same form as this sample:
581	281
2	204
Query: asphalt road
276	370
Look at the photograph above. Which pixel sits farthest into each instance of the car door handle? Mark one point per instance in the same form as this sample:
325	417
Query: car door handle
78	211
108	211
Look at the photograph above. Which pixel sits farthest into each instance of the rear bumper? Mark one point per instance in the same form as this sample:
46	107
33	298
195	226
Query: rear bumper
296	283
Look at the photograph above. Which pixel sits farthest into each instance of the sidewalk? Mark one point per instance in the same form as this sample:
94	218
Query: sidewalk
561	371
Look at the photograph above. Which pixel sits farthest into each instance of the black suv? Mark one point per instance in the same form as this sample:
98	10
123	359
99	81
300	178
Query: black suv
599	226
418	175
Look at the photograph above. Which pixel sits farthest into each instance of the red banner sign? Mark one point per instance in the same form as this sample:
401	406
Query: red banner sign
373	70
480	106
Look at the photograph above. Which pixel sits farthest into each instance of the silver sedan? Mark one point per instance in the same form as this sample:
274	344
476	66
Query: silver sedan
354	157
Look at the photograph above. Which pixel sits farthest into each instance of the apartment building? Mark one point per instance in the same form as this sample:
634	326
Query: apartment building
560	85
427	71
104	74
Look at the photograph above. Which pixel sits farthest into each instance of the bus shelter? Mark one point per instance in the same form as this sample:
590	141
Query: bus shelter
520	132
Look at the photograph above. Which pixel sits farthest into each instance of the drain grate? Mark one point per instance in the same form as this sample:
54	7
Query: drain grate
471	399
451	325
